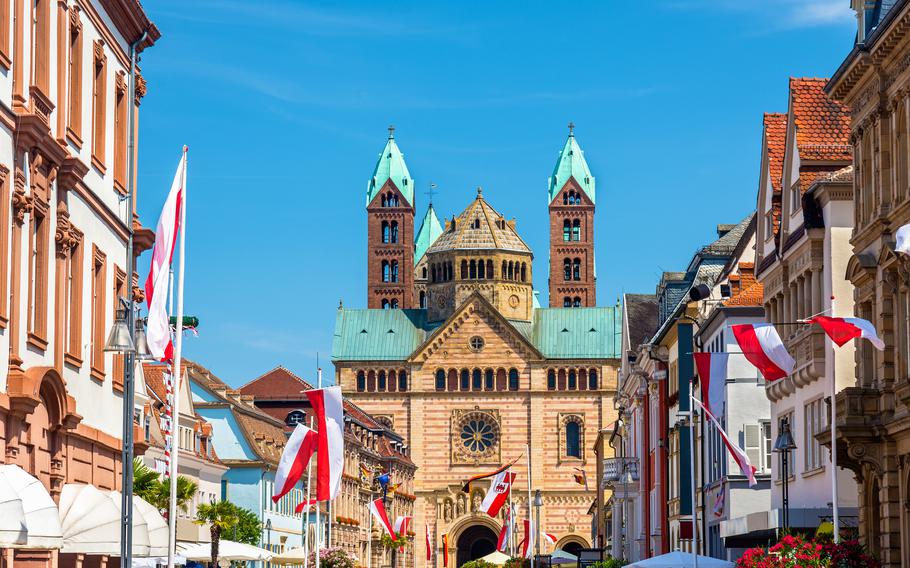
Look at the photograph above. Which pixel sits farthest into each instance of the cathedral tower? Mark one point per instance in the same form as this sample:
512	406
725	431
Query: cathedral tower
571	198
390	231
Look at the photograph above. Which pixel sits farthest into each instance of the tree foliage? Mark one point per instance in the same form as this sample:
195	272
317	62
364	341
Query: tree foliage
153	488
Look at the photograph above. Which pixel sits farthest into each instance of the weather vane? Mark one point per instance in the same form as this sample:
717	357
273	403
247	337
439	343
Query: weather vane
431	192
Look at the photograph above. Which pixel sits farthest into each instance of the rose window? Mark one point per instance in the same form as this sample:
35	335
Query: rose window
477	435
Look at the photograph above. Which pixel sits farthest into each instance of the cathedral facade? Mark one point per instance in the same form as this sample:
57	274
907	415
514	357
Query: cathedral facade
455	353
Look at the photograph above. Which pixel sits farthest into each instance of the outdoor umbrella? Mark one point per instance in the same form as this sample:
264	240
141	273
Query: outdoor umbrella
680	560
496	557
292	556
227	550
562	557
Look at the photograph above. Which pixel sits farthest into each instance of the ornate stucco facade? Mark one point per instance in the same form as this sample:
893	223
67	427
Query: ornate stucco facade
484	373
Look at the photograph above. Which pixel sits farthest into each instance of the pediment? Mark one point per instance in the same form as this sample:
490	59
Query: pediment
388	186
475	317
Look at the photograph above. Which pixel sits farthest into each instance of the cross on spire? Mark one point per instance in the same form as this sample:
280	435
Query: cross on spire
571	128
430	193
391	131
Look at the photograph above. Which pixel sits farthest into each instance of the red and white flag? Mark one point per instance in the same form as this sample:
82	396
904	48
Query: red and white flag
712	373
429	546
842	330
505	533
498	493
550	537
902	237
329	413
158	328
377	508
402	522
738	454
764	348
527	545
296	455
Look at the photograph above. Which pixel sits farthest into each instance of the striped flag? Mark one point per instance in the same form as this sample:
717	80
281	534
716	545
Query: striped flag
581	477
377	508
445	550
296	455
505	533
738	454
763	347
712	374
842	330
498	493
429	546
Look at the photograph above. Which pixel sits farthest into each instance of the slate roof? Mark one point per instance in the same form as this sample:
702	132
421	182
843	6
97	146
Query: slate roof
822	124
557	333
641	317
479	227
571	164
391	166
429	231
726	243
876	10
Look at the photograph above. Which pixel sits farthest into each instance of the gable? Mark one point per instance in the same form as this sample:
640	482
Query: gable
475	317
376	201
377	335
277	383
230	443
186	399
200	394
571	184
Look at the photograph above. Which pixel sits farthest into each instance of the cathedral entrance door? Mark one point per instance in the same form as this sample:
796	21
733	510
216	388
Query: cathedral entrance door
475	542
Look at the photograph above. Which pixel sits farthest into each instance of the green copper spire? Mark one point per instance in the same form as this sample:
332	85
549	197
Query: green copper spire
571	163
391	166
429	231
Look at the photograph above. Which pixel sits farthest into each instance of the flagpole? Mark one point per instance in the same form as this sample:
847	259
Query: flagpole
305	521
318	526
509	519
175	377
833	438
692	472
530	520
370	533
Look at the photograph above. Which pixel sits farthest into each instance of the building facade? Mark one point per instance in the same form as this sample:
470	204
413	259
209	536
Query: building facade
64	227
802	252
483	375
872	412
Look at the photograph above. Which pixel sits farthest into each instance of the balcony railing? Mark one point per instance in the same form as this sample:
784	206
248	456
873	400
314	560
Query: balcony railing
616	468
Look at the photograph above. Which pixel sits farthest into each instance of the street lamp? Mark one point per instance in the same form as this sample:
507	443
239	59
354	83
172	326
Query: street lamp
120	340
538	503
783	445
268	536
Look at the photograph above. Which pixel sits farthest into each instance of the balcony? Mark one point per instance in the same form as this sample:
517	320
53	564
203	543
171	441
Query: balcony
615	469
860	419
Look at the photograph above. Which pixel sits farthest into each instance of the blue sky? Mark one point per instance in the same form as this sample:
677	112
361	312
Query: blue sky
284	106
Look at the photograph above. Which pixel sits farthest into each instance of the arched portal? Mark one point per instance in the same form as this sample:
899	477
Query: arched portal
474	542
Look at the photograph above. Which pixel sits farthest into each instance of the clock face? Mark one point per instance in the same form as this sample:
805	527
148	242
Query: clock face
514	301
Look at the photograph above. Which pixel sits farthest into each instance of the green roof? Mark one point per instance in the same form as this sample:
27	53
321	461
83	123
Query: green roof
571	163
391	166
558	333
429	231
378	335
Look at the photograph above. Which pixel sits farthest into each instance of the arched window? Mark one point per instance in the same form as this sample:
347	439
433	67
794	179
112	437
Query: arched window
500	379
566	230
473	273
511	270
513	379
393	381
465	380
576	269
476	380
385	232
395	232
490	269
567	269
464	269
440	379
592	379
488	380
481	269
573	439
576	302
576	230
394	271
361	381
381	382
505	271
524	272
386	305
423	300
452	385
476	223
567	302
573	380
551	380
386	272
432	273
565	198
402	380
394	303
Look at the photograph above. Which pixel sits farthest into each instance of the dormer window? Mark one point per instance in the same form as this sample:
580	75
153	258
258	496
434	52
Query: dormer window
795	198
295	417
769	225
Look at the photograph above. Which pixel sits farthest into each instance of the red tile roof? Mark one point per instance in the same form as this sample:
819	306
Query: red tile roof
822	124
776	141
279	383
747	291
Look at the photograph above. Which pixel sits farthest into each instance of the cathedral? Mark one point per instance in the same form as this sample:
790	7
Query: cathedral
456	354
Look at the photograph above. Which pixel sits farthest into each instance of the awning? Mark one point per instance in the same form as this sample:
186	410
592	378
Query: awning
39	512
227	550
91	520
12	516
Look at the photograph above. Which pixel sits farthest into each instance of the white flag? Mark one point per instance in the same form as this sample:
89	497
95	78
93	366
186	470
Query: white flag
903	239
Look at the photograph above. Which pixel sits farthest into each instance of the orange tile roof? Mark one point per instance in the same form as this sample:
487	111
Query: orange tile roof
776	141
279	383
822	124
749	291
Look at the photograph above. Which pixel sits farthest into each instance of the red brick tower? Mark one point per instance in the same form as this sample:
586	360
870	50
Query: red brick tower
571	195
390	231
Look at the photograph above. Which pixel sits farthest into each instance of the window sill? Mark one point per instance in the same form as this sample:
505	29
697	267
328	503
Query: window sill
4	321
74	138
790	479
98	164
97	374
5	61
117	386
72	360
813	472
36	341
119	187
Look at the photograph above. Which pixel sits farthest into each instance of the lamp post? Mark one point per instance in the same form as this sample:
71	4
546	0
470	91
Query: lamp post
538	503
268	536
783	445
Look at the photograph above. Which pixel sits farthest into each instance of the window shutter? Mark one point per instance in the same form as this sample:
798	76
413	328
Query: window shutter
753	443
